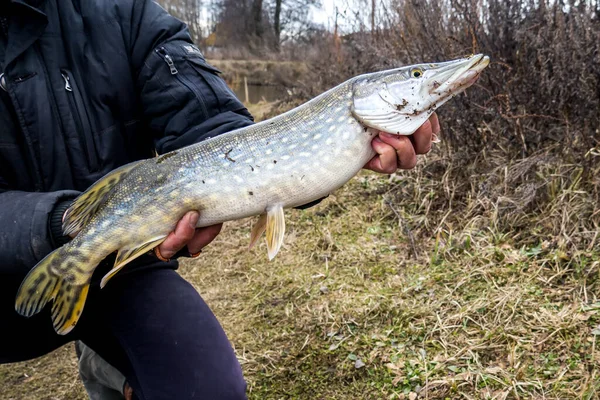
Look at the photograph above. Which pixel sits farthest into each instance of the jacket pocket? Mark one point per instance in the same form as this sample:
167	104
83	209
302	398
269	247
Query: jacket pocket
184	78
200	78
81	119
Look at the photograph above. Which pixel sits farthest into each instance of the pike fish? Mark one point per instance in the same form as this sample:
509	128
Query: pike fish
287	161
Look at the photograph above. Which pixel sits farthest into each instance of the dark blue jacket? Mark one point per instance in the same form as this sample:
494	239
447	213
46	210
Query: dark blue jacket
91	85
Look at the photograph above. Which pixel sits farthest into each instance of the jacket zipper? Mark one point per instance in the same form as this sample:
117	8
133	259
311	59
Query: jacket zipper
162	52
171	64
81	121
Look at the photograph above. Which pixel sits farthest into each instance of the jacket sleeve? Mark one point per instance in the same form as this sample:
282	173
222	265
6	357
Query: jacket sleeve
183	97
25	234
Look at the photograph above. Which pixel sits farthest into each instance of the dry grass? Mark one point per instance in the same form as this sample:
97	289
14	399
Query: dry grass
53	377
472	316
261	72
381	293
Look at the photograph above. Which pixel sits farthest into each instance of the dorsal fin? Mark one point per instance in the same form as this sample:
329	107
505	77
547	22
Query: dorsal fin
87	204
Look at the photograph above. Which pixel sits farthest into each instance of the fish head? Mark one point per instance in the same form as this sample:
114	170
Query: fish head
400	100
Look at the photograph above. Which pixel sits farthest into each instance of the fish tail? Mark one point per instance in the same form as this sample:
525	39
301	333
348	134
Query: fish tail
63	276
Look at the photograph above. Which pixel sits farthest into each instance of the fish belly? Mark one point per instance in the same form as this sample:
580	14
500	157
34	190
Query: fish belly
278	175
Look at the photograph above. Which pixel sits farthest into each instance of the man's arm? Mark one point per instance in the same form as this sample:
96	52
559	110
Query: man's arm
25	221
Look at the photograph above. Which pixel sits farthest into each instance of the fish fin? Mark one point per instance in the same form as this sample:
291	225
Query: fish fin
68	305
275	230
39	286
57	277
127	255
257	230
87	204
383	112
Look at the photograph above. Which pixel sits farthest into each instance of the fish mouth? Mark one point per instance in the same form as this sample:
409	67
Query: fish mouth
457	76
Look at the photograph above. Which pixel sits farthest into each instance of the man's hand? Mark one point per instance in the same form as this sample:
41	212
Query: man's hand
186	234
395	151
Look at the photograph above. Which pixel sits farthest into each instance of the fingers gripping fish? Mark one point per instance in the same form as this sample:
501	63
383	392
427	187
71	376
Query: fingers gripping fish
287	161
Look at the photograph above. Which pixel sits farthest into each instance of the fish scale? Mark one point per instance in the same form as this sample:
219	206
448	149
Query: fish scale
293	159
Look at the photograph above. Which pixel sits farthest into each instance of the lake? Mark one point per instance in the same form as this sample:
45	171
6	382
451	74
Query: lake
258	93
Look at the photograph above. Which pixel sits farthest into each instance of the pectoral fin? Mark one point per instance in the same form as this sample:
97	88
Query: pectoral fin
257	230
275	230
127	255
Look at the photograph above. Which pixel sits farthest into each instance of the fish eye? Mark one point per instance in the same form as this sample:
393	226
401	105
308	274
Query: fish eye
416	72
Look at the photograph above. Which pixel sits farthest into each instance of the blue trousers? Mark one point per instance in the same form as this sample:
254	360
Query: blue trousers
150	324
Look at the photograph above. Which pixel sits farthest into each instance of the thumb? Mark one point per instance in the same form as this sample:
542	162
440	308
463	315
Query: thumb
183	233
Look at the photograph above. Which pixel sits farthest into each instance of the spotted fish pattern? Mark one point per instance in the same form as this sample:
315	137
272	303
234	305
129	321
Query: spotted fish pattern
290	160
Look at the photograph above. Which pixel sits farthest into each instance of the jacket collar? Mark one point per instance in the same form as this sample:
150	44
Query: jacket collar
27	23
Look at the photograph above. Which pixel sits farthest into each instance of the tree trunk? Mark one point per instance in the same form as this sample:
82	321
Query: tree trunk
372	16
277	23
257	7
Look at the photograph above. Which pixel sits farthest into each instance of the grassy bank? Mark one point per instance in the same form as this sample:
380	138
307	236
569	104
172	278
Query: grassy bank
362	303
